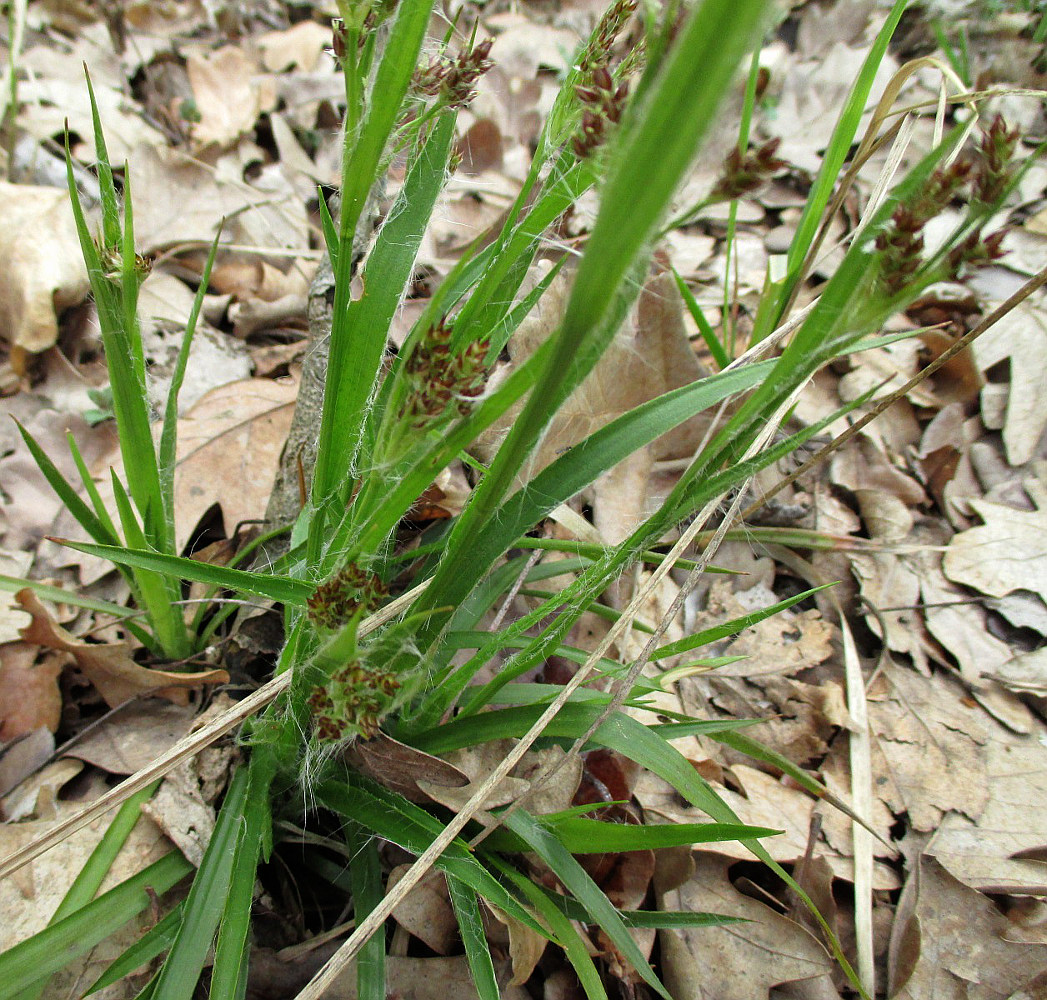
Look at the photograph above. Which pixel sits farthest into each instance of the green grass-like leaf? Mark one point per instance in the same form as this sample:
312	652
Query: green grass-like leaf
578	882
470	924
54	948
365	873
207	898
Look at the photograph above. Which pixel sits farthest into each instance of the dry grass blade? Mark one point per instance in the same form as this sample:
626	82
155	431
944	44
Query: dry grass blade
182	750
861	796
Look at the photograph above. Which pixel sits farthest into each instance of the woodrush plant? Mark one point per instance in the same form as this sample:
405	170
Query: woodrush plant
358	665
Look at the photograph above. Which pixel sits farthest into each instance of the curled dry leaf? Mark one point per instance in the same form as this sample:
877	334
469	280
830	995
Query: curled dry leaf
1025	673
402	768
42	271
526	946
108	666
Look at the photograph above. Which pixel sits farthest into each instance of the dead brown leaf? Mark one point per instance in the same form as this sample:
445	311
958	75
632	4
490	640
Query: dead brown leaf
188	199
951	943
960	626
42	270
108	665
24	756
29	694
651	355
784	643
1006	553
31	896
987	855
233	435
1021	338
31	509
928	747
739	961
12	618
478	762
133	737
526	946
301	46
426	910
408	978
230	93
401	768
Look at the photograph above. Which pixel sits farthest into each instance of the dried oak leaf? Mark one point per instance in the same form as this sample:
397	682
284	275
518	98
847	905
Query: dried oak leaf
1005	553
42	271
738	961
426	911
401	767
108	666
230	94
951	941
1021	338
234	433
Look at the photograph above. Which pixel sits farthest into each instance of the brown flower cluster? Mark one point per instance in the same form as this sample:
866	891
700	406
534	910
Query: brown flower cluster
112	261
348	591
352	702
440	380
994	158
986	174
602	105
746	172
451	80
613	22
340	34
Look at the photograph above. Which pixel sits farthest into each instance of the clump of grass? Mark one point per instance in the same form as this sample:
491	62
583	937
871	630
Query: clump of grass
371	655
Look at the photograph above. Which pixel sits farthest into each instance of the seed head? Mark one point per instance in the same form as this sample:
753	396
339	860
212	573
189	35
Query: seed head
441	381
451	80
994	161
338	598
974	252
602	104
607	31
746	172
353	702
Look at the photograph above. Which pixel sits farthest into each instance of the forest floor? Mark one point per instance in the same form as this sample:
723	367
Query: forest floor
915	689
